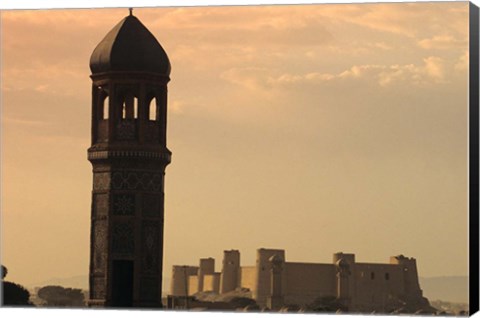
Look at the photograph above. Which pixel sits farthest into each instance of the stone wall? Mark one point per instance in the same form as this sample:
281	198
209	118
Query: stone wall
248	277
376	286
304	282
360	287
192	285
211	283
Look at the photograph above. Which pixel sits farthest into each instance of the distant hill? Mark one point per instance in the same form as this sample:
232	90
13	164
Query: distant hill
79	281
446	288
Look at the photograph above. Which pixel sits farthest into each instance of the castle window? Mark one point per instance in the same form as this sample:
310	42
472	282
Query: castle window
372	275
152	110
387	276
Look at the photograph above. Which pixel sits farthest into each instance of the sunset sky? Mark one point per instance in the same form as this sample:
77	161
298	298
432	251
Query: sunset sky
312	128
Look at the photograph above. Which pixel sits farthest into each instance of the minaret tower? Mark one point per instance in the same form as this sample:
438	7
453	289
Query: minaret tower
130	72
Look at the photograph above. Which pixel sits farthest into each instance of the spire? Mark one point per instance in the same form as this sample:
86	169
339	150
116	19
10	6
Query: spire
131	11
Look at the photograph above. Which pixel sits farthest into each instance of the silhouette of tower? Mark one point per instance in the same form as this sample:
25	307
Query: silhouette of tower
130	72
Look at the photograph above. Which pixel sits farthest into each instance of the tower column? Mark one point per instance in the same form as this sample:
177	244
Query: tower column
129	160
275	300
343	287
229	279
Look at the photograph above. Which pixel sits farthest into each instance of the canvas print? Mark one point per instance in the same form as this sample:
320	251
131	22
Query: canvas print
287	158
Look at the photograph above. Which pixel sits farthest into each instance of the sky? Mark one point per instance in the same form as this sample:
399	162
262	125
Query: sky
313	128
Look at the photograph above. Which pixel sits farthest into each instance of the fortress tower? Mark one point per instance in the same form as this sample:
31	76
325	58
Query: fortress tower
230	276
263	284
130	72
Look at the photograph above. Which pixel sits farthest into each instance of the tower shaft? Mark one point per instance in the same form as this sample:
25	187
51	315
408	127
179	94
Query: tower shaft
129	155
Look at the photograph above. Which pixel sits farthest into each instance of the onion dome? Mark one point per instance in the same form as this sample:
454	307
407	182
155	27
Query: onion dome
130	47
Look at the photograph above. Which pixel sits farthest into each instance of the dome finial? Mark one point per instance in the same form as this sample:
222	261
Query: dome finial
131	11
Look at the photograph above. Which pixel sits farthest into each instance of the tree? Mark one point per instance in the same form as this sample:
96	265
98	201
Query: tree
14	294
327	304
4	272
241	302
58	296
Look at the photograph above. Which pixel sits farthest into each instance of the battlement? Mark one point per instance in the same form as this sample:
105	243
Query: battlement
272	281
348	257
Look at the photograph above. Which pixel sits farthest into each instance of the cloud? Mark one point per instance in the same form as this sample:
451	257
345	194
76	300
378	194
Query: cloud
252	78
60	78
431	71
435	68
42	88
176	106
463	62
23	122
410	20
442	42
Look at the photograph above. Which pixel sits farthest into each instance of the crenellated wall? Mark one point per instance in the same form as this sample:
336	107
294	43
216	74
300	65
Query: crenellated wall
273	282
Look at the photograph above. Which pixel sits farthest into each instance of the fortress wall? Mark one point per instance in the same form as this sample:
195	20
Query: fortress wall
304	282
366	286
211	282
192	285
376	285
248	277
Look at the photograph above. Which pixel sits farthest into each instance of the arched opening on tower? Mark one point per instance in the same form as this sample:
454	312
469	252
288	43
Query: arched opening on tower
102	102
122	283
105	106
135	107
124	110
129	108
152	109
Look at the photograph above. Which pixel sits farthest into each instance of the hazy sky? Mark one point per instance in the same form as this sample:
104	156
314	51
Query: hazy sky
315	129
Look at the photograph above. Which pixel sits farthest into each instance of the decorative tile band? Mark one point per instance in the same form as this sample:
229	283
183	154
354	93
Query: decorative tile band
95	155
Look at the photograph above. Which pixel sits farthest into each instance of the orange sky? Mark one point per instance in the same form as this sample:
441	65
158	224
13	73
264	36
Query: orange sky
316	129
